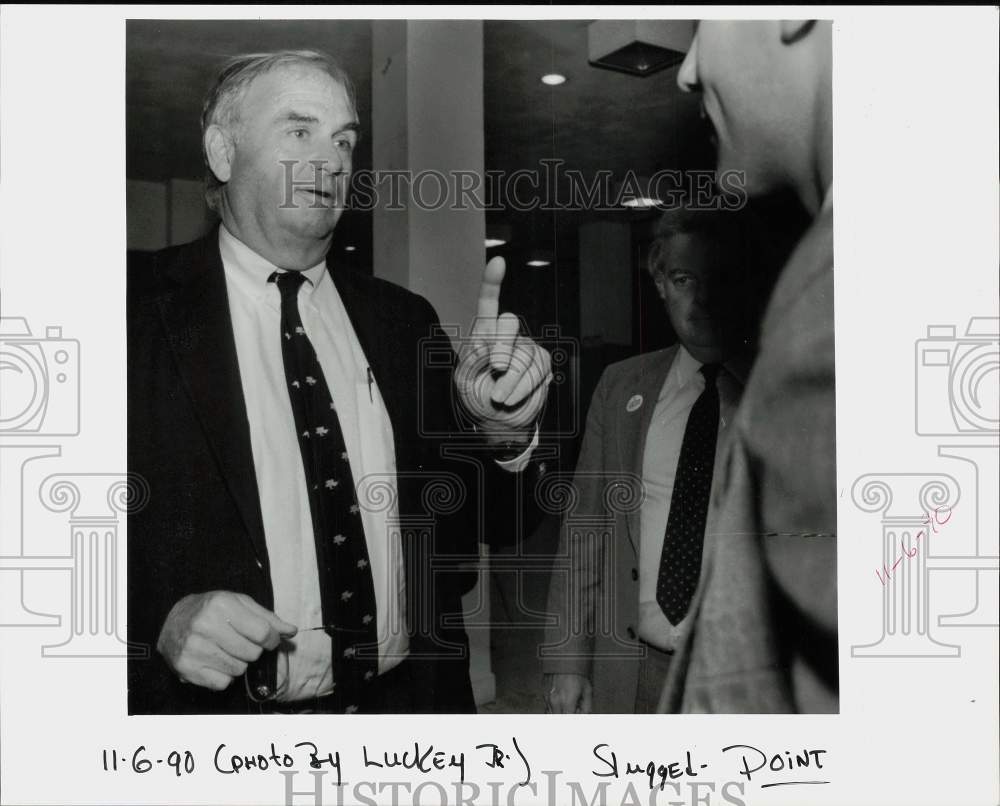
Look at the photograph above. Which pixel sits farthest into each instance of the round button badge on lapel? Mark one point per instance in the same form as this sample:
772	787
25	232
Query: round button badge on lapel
634	403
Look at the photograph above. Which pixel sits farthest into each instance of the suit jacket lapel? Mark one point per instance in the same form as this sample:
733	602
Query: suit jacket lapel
633	426
377	331
196	316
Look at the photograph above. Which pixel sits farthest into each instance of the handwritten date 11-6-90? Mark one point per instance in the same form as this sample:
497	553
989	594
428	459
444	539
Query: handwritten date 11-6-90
181	761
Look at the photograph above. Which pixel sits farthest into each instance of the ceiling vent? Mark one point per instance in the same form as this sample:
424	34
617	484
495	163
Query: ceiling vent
638	47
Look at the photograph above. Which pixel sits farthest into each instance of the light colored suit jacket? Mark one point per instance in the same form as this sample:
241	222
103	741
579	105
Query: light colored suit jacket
764	636
594	593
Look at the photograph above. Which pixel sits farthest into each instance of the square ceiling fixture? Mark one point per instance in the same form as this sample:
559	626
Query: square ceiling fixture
638	47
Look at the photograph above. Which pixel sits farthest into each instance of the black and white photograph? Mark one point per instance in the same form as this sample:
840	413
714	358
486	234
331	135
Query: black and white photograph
660	524
457	405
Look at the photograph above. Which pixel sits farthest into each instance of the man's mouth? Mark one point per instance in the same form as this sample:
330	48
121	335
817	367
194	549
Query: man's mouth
709	125
321	198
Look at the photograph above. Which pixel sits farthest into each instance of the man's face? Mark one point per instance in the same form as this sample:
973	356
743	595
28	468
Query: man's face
695	284
292	158
738	69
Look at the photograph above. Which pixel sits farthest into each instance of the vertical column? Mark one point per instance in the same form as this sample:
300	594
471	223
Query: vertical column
427	128
427	121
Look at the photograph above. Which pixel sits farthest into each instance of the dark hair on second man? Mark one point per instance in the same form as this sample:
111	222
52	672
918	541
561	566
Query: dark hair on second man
725	227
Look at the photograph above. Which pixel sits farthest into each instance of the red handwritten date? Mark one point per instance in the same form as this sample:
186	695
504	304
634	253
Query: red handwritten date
908	553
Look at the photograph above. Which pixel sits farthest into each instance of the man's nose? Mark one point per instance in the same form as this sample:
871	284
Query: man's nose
332	160
687	76
706	296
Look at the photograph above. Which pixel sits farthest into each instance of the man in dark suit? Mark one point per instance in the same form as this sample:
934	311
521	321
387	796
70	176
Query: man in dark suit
764	637
299	549
617	607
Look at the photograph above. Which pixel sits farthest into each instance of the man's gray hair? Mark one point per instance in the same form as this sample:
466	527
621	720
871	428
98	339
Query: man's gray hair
725	227
223	101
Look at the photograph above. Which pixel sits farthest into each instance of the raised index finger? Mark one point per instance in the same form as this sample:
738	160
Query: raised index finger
489	292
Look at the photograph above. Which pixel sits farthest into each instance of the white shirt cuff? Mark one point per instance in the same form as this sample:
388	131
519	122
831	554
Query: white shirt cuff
518	463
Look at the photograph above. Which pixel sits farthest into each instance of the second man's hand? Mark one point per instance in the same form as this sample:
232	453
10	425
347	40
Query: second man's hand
502	375
568	694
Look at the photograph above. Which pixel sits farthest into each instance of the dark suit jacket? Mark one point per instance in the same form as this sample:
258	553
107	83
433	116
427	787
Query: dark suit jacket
202	530
594	592
597	565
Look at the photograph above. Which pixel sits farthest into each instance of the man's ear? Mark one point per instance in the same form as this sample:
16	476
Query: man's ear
219	150
659	281
794	30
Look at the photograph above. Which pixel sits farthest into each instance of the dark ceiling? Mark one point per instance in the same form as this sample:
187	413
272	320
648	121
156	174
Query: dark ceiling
597	120
170	64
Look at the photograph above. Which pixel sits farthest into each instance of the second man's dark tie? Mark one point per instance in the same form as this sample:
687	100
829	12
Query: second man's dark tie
347	591
680	561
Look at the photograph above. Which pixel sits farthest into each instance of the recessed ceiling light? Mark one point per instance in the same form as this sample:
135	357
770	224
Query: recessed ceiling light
641	202
491	242
538	263
553	79
350	248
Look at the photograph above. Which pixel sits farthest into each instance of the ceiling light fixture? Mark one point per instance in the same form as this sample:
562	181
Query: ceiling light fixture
641	202
497	234
553	79
539	258
638	47
350	248
637	193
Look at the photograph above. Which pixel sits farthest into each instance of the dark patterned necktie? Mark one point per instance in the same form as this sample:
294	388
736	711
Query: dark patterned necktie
347	591
680	562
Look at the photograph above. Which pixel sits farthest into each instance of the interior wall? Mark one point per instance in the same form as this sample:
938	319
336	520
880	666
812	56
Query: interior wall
161	214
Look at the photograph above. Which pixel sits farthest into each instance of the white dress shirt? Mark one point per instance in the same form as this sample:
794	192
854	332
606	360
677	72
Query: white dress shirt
682	387
255	306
